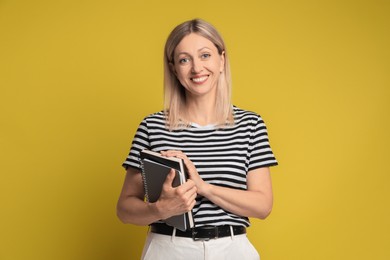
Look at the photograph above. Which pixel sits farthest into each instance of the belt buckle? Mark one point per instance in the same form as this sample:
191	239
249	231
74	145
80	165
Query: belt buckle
194	232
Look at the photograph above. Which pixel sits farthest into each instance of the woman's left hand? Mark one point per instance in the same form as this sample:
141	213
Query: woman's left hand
201	185
256	201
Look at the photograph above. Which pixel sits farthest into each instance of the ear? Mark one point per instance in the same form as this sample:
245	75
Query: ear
222	68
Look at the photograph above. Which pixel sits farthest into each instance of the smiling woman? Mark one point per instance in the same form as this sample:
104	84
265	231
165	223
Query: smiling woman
225	149
198	65
195	53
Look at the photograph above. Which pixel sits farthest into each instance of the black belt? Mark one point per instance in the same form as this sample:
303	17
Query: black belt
200	233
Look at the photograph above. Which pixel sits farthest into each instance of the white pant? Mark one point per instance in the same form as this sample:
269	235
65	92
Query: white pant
164	247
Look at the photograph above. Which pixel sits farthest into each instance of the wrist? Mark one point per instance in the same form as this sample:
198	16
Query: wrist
155	210
206	190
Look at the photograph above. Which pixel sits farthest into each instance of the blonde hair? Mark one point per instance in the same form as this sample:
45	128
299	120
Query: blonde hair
174	92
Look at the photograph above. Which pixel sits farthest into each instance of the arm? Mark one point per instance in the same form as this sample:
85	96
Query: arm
131	207
256	201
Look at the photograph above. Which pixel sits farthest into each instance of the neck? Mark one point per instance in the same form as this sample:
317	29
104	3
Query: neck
201	111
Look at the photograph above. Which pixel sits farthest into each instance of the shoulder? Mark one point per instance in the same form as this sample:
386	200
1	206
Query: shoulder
242	115
157	117
154	122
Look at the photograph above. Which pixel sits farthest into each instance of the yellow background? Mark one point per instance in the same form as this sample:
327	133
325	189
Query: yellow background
76	78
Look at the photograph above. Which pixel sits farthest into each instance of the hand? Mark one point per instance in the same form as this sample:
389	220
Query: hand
176	200
201	185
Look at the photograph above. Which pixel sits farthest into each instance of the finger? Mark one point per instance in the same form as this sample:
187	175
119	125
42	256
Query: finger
192	194
193	198
170	177
189	165
192	205
174	153
188	185
190	197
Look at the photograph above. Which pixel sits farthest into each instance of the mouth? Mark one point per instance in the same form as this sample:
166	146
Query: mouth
199	80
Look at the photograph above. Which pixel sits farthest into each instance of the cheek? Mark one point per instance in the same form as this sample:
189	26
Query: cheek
181	74
216	65
181	78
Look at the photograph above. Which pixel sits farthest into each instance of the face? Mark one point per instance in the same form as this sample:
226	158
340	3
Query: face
198	65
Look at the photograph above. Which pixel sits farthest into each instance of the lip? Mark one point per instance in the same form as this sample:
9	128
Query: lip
200	79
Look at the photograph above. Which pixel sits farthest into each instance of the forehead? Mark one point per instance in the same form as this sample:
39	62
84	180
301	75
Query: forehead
194	43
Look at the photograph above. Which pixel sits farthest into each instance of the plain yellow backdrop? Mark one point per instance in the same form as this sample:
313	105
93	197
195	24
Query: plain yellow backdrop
76	78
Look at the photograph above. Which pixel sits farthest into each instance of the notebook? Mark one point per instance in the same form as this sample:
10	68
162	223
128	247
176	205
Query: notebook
155	169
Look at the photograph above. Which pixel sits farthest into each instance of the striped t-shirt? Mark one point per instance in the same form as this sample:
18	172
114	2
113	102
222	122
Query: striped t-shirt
222	156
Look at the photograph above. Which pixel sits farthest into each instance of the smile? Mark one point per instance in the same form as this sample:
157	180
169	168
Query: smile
200	79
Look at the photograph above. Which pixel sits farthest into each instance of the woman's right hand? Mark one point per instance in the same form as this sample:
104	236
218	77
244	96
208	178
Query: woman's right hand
176	200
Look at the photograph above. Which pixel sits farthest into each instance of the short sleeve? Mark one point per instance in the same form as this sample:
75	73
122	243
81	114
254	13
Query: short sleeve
140	142
260	154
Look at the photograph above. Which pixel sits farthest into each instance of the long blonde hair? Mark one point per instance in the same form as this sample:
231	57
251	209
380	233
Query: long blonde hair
174	92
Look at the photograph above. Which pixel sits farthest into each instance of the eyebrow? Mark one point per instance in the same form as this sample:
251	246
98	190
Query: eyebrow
201	49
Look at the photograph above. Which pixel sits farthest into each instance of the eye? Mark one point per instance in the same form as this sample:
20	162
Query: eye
205	55
184	60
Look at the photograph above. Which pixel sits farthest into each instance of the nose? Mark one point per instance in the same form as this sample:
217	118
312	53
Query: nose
196	66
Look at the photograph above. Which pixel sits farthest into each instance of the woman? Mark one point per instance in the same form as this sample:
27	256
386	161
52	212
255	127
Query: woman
225	150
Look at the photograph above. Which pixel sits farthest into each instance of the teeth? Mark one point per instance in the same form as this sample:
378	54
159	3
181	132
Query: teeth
199	79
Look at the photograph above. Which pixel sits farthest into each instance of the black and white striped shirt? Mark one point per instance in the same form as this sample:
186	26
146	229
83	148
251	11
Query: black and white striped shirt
222	156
